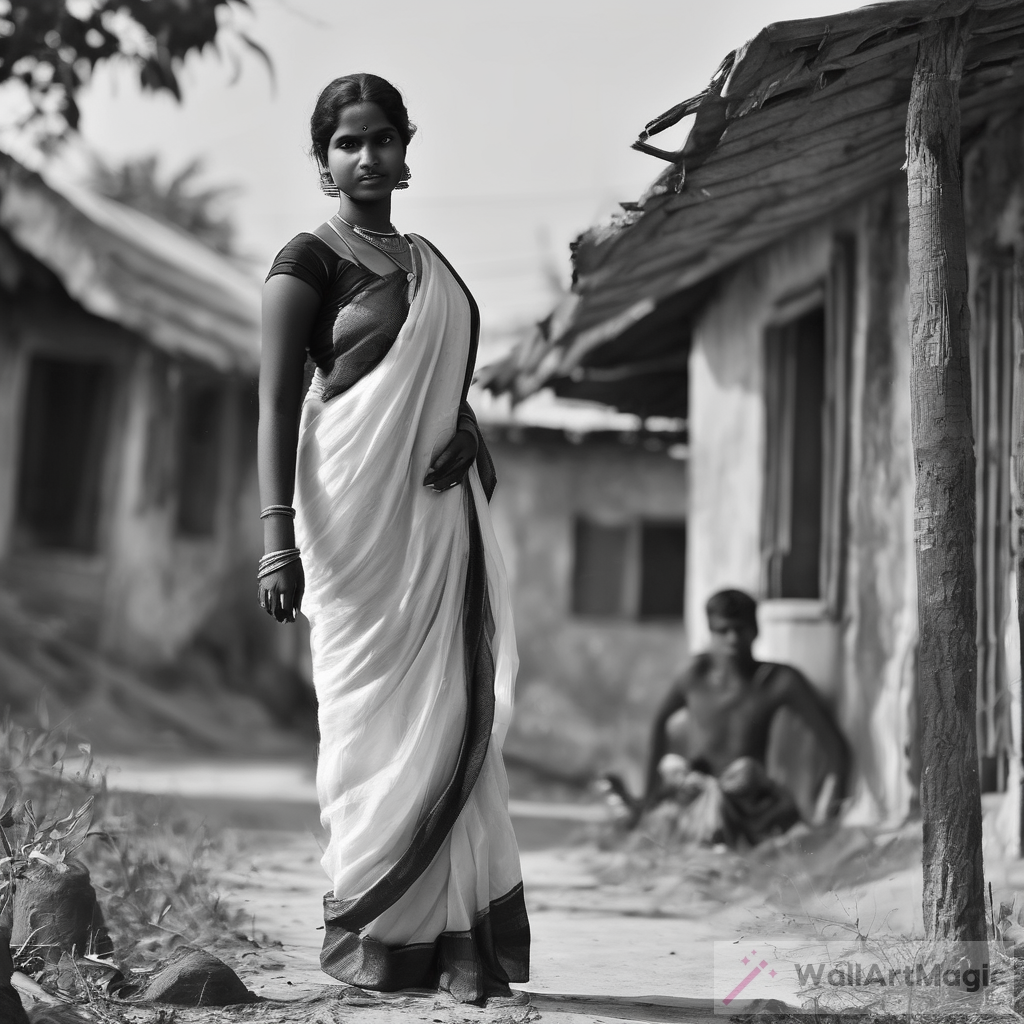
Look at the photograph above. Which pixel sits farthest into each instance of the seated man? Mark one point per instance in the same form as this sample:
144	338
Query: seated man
716	721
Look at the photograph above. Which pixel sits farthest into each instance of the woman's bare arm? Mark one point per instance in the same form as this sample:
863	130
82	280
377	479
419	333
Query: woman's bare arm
289	309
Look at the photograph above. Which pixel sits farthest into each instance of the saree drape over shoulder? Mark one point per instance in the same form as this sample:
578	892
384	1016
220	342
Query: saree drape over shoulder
414	663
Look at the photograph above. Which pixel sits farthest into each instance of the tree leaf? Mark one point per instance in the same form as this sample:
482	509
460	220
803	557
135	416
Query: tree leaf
268	63
54	860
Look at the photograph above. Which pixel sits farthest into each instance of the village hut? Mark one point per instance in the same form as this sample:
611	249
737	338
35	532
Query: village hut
770	259
590	512
128	359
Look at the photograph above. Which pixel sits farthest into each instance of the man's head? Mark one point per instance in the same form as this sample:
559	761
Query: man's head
732	619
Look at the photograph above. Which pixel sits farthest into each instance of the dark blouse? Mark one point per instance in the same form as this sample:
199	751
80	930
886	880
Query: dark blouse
360	316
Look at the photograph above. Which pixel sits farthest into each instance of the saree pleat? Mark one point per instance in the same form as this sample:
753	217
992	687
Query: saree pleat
414	664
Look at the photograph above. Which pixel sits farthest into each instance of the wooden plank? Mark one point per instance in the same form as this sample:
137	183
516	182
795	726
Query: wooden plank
1017	487
874	41
982	105
1000	48
752	226
898	45
615	292
667	269
805	157
996	5
807	182
995	23
840	302
781	38
1006	563
756	131
726	205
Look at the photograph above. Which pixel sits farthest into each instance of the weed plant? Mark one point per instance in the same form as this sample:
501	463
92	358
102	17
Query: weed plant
148	861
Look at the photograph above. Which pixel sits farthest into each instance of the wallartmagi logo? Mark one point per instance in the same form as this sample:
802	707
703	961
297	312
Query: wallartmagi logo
887	975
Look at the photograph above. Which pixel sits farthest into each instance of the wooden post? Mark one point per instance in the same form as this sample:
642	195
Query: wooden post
1017	485
944	510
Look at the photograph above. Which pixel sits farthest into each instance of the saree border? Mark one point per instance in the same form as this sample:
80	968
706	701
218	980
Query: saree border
469	964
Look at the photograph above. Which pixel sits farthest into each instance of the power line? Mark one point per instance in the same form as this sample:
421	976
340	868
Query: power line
508	200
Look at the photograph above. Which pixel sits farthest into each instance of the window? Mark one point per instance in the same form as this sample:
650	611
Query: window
200	430
65	432
806	357
633	570
794	474
600	579
662	570
992	379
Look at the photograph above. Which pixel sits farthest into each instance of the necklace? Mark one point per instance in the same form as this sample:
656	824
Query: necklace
388	242
393	245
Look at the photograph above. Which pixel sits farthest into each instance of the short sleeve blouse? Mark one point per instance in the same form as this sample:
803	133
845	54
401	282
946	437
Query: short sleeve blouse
360	315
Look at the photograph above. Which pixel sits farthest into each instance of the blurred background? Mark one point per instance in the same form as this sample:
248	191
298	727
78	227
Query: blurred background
136	224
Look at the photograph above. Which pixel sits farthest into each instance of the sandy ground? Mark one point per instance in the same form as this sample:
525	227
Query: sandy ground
620	932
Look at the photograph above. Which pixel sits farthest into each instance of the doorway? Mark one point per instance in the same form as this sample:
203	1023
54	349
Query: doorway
64	439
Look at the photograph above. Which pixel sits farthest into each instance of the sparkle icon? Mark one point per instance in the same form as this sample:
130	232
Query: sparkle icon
748	979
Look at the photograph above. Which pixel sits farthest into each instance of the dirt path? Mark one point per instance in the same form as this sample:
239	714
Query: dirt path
604	945
590	956
622	933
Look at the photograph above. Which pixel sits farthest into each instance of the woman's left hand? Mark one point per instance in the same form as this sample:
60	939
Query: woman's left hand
449	468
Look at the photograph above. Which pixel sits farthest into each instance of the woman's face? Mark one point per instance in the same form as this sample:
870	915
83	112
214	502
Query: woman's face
366	155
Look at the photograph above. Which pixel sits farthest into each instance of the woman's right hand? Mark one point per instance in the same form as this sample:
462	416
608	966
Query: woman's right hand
280	593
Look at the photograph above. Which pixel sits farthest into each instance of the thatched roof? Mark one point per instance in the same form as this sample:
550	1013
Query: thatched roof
805	117
123	266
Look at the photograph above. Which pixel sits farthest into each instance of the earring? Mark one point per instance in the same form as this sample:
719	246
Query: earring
403	182
327	185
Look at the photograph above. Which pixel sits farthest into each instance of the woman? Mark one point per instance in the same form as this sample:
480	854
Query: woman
414	655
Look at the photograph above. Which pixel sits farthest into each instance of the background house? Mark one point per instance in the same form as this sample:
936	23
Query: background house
128	503
775	245
590	512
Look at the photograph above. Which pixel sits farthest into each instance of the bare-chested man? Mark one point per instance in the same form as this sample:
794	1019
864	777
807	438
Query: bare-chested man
717	719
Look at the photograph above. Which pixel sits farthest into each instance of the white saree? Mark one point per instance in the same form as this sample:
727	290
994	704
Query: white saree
414	663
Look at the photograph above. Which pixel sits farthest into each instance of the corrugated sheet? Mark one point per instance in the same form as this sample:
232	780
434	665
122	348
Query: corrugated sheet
126	267
805	117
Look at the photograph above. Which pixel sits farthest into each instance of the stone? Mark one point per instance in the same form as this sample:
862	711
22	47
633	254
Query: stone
57	912
193	977
11	1010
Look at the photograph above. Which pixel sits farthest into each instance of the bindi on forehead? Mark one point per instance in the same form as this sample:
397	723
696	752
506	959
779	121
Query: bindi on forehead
362	117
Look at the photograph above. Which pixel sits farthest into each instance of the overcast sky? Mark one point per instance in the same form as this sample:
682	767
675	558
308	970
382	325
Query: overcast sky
526	112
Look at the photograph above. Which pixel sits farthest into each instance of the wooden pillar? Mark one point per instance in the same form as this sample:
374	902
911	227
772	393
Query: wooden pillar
944	507
1017	485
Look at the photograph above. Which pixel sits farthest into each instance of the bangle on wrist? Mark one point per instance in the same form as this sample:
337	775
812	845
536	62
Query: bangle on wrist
278	510
274	560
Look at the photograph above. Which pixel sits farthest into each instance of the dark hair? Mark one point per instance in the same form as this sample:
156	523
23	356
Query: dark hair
345	91
733	604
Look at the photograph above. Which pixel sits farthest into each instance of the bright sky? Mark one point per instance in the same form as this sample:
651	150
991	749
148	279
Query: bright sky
526	111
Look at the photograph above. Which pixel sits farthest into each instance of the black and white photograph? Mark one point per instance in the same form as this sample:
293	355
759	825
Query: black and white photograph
511	512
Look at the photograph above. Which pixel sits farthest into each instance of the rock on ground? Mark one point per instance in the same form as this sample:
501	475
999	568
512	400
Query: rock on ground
193	977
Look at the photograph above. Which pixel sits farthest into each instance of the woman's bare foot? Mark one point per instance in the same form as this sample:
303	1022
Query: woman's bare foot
512	997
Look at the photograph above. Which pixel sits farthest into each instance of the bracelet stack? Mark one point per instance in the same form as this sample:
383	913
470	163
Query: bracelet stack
278	510
274	560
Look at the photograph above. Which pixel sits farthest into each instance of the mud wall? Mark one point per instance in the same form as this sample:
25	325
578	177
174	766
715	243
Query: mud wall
862	659
587	687
880	634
